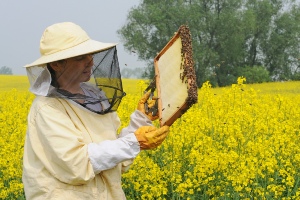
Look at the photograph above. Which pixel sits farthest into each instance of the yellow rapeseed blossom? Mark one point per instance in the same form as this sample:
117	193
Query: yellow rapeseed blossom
14	106
237	142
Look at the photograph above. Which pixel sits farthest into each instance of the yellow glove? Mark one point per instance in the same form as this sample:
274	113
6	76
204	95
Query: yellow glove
151	137
151	103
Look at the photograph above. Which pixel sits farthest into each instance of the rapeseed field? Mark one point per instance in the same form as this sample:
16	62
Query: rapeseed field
238	142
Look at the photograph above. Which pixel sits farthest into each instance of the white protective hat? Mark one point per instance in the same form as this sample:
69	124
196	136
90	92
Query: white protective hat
65	40
60	41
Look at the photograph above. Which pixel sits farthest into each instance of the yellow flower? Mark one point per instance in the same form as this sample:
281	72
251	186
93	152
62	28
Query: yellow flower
238	142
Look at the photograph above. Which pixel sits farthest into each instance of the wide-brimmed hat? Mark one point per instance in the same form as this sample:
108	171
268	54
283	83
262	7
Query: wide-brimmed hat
66	40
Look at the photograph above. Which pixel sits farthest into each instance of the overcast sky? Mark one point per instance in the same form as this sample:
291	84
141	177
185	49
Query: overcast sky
23	22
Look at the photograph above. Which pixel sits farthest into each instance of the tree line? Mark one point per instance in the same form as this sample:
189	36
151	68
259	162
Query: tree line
6	70
258	39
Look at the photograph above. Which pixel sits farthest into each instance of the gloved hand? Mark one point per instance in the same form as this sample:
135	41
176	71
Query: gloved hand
151	103
151	137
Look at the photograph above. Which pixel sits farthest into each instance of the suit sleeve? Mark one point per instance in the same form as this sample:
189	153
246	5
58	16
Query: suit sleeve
109	153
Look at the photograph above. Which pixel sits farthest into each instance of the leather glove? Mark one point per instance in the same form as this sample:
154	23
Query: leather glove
151	103
151	137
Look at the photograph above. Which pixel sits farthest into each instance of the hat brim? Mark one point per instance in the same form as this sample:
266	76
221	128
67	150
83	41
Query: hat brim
89	46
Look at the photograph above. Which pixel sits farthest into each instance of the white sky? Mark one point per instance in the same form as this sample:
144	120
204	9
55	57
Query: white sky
23	22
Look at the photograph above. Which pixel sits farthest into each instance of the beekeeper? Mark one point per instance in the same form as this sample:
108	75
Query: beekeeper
72	149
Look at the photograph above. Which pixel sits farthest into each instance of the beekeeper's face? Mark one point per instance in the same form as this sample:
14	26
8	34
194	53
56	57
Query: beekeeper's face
74	70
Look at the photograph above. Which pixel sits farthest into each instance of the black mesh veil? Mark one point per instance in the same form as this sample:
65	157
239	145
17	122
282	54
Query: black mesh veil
104	92
107	76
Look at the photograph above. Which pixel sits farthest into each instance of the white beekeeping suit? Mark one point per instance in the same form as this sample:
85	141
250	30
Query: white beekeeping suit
72	149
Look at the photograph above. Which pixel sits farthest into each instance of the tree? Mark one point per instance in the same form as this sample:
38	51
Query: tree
5	70
283	46
225	33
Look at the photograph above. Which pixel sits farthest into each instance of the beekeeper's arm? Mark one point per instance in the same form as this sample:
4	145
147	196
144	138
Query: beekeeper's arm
140	131
139	135
59	145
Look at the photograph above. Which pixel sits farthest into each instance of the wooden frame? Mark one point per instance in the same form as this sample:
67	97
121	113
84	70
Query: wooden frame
175	77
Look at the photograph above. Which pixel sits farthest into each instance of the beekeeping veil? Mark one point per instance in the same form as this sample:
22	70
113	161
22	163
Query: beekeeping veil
103	93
